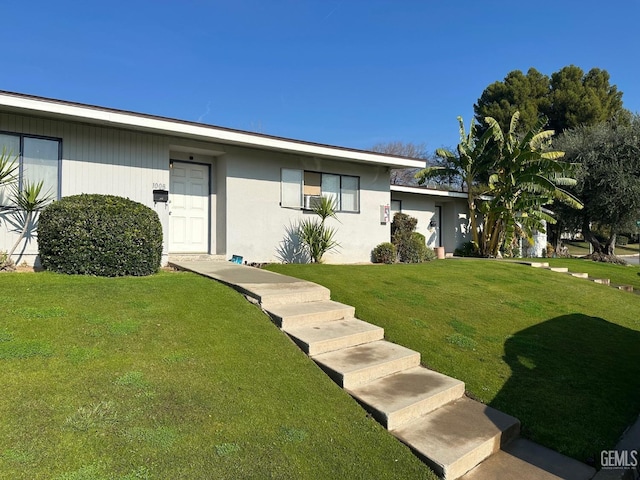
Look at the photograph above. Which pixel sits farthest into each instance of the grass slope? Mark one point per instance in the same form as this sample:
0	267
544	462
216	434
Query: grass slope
170	376
559	353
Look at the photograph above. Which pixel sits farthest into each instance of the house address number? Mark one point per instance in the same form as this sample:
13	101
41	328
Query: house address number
159	186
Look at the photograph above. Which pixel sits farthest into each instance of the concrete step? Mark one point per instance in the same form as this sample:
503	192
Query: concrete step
195	257
325	337
458	436
580	275
559	269
292	315
526	460
270	296
538	264
602	281
354	366
396	399
626	288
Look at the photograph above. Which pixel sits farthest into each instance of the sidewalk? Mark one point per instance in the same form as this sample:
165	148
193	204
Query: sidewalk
261	286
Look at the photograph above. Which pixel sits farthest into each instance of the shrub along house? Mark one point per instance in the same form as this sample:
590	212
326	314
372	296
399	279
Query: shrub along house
442	215
217	191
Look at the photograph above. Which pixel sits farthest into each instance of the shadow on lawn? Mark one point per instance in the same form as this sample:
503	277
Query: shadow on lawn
575	383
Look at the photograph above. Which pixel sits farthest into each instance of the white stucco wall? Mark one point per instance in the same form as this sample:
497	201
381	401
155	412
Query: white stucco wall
257	224
424	209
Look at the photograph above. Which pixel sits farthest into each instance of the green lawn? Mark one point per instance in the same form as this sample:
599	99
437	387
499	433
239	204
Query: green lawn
559	353
169	377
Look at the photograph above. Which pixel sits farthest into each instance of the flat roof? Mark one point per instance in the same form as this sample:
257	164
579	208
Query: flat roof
59	109
427	191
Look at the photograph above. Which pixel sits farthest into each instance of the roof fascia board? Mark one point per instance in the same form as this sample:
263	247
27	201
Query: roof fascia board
434	192
427	191
199	131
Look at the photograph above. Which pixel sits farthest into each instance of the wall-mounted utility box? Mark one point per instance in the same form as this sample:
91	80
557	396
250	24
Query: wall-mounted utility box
160	196
385	214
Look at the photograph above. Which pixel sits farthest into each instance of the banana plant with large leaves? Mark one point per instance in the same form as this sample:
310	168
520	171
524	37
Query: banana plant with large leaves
471	161
526	176
509	181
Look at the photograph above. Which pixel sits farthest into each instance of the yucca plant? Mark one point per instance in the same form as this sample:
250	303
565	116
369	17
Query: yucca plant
8	168
317	237
27	200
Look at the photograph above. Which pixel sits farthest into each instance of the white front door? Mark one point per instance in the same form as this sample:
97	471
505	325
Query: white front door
189	208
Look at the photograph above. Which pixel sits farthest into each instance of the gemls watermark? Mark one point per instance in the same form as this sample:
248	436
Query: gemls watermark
613	459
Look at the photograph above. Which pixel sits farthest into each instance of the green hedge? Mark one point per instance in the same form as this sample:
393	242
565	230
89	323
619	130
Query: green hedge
102	235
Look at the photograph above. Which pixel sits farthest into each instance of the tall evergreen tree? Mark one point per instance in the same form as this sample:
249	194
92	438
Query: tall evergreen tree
568	99
527	94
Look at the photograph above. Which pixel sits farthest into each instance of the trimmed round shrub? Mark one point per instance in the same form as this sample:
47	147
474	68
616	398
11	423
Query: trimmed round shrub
102	235
384	253
417	251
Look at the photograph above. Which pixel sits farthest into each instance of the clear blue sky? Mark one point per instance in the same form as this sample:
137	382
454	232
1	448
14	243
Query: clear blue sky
348	73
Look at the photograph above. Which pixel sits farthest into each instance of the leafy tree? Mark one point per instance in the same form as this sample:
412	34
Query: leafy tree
403	176
568	99
609	178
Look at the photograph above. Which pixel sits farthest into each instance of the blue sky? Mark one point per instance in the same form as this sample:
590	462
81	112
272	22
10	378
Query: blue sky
349	73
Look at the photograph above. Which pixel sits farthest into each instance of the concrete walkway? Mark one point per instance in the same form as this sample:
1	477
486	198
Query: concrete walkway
456	436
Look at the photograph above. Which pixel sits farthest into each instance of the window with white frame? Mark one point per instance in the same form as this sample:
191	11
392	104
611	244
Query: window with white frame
302	188
37	159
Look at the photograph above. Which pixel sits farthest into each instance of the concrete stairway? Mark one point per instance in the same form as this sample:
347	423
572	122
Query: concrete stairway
602	281
456	436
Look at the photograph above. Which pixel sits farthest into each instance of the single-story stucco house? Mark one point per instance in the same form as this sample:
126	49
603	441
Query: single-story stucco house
217	191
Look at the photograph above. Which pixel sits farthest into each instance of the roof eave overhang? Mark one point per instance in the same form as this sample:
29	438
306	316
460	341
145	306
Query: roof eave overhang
166	126
427	191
